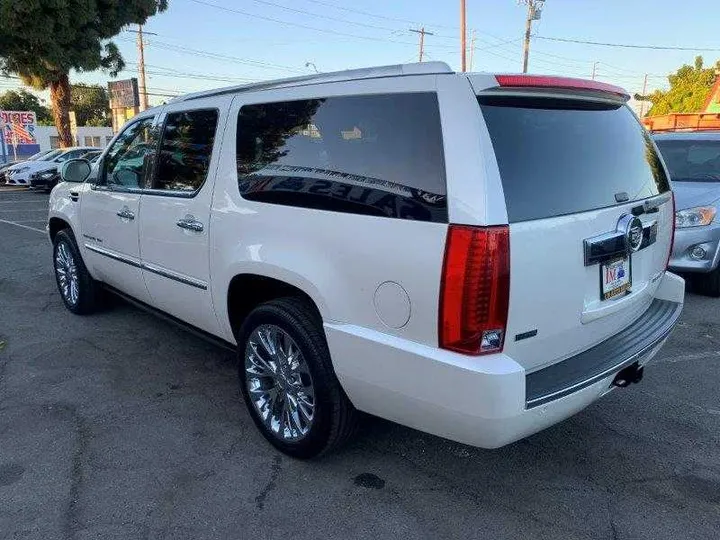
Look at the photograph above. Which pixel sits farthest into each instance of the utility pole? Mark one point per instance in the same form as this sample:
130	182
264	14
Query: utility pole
141	66
463	46
141	69
594	72
644	93
533	14
472	49
422	33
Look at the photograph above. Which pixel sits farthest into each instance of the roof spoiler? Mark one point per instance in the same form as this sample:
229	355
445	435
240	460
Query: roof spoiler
564	83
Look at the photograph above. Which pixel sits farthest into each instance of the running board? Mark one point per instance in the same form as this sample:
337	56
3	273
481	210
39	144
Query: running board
218	342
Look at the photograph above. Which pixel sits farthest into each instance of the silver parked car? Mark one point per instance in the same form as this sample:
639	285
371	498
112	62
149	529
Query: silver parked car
693	160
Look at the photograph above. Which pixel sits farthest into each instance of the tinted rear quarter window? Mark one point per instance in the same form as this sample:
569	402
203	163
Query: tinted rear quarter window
377	155
562	156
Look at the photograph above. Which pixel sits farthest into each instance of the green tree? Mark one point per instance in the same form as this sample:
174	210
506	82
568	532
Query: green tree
22	100
90	103
689	89
42	40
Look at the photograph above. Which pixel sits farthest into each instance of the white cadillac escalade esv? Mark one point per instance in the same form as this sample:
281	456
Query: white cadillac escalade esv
476	256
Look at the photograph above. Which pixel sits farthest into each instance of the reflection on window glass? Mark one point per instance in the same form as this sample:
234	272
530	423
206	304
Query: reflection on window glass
127	159
559	157
376	154
691	160
187	144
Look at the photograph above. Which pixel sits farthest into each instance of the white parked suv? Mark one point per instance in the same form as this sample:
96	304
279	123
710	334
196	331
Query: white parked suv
471	255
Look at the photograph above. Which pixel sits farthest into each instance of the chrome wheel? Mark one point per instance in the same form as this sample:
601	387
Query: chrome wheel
279	382
67	273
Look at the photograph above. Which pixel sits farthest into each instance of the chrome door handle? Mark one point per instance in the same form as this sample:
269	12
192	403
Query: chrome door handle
191	224
125	213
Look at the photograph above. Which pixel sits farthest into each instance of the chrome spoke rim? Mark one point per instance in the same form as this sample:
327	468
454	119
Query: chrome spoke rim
279	383
67	274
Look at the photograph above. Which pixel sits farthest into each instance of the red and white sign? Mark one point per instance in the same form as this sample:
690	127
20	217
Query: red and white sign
18	127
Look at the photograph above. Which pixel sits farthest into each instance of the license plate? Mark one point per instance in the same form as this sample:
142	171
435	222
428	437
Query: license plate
615	278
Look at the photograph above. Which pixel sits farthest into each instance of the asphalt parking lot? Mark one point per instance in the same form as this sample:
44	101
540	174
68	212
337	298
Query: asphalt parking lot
121	426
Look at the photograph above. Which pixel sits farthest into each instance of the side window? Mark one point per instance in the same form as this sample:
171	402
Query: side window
73	154
378	155
126	162
185	150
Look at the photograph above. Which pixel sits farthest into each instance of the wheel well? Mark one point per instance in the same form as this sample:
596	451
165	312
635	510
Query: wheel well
56	225
247	291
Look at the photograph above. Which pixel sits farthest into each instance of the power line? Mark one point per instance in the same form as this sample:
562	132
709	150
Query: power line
324	30
218	56
298	25
628	46
368	14
347	21
170	72
320	16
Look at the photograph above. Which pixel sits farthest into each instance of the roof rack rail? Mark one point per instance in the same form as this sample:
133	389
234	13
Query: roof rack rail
424	68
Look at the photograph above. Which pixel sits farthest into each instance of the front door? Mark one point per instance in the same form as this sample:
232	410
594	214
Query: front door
175	221
111	208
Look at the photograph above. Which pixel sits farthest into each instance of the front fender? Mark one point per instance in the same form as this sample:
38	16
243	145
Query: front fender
60	206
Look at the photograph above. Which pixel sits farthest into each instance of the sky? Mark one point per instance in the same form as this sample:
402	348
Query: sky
201	44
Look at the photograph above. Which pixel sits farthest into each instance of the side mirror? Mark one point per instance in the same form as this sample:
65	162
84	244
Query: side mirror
75	170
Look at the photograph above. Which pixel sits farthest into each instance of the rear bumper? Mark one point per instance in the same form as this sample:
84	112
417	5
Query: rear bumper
482	401
605	359
687	239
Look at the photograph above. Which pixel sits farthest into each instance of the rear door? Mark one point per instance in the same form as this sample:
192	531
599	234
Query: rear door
590	214
175	216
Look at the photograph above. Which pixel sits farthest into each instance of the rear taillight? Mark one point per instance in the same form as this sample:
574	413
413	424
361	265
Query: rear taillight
569	83
672	235
475	289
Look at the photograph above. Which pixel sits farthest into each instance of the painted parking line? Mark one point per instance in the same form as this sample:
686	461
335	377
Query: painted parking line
18	201
25	211
22	226
41	221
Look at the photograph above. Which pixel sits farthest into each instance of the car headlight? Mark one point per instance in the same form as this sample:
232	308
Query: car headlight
695	217
21	169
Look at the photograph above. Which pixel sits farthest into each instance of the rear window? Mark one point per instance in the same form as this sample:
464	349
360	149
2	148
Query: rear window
691	160
378	155
561	156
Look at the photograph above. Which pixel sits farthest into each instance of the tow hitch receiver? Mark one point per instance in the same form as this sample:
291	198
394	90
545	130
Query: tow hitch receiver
629	375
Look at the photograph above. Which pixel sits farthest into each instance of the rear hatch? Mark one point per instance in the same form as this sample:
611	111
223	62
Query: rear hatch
590	214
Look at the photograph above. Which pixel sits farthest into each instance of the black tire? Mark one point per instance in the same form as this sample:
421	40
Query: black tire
89	293
709	284
334	418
